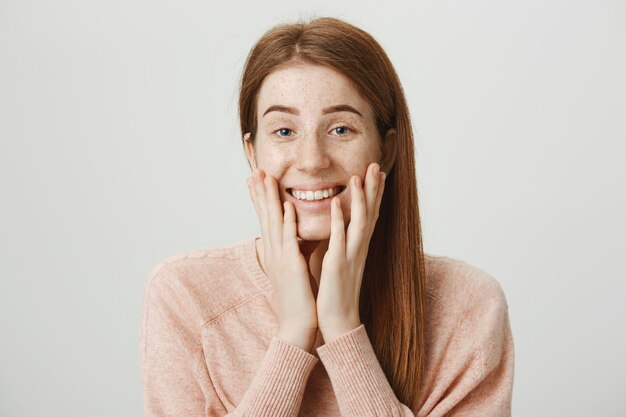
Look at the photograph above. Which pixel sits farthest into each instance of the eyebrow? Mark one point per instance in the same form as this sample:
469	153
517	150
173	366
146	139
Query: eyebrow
327	110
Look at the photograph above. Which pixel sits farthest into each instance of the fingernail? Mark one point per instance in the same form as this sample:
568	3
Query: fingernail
376	169
357	182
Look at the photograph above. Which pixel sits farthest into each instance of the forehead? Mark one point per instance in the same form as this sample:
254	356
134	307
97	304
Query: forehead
309	88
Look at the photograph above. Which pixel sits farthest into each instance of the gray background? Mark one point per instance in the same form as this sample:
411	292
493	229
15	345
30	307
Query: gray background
120	146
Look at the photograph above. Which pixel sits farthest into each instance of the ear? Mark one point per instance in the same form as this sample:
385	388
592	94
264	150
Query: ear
389	147
249	146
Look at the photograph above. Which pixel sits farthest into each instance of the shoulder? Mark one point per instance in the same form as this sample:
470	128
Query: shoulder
464	301
207	280
460	287
469	344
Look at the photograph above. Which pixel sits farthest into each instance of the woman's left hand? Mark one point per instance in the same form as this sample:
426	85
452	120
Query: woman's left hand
342	268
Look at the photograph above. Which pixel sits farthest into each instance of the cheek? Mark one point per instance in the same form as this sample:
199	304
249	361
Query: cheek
274	163
272	159
357	158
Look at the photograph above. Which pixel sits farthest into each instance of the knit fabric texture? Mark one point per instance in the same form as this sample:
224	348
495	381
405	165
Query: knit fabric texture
208	346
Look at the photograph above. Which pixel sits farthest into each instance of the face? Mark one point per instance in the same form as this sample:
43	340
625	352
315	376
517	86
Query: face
315	131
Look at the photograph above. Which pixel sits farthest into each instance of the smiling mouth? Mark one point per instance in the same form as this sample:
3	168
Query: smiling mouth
310	195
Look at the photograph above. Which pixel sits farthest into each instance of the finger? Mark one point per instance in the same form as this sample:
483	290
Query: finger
379	196
253	194
357	227
258	188
336	244
290	228
371	188
274	212
255	199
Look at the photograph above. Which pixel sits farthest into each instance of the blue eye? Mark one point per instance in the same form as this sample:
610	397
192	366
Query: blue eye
342	130
287	132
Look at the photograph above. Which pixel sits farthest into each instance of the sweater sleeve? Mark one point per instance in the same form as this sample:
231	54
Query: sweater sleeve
360	385
473	377
175	378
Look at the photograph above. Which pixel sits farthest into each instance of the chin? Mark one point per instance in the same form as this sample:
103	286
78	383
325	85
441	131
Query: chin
314	230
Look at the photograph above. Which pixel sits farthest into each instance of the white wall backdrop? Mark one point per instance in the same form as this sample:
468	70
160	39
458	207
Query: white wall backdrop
120	146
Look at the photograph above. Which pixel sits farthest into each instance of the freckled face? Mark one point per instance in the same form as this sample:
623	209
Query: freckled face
315	131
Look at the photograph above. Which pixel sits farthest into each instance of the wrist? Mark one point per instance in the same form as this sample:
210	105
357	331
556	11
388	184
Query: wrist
302	338
336	330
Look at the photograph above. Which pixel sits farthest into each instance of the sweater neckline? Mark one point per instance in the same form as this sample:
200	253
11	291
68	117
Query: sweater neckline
253	266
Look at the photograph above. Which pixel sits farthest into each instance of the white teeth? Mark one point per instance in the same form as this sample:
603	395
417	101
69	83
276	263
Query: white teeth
314	195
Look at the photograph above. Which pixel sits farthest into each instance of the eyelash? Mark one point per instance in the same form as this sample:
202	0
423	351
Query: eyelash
282	128
344	127
349	130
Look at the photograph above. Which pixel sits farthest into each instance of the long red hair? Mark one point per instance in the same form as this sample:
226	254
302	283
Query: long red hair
392	292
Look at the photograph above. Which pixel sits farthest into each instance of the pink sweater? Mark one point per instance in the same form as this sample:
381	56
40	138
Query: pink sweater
208	348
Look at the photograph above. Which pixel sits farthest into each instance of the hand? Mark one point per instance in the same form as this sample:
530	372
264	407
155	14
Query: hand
284	263
344	262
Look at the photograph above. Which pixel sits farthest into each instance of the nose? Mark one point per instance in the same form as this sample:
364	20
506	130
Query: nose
312	155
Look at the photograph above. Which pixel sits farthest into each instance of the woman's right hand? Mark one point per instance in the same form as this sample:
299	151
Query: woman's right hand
284	263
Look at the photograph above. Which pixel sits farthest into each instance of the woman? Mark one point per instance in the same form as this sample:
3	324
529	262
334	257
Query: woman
335	310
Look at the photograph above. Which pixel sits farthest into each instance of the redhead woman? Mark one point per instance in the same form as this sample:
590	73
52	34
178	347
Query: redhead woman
334	310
